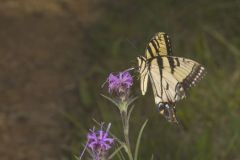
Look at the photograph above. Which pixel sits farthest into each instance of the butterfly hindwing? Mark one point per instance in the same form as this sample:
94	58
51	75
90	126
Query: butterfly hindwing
165	93
165	86
186	71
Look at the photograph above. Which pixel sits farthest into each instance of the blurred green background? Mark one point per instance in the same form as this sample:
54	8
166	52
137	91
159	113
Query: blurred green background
56	54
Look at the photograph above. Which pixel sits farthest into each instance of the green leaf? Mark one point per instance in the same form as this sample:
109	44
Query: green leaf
139	140
121	156
76	157
131	101
129	113
115	152
152	157
111	100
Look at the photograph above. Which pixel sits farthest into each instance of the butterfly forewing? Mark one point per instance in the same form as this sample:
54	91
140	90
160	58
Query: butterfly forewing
144	74
159	45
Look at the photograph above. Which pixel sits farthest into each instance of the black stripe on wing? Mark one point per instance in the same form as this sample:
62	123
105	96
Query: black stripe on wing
171	63
168	44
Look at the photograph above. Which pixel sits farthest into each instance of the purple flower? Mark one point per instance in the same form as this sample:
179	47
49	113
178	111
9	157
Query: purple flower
99	142
120	83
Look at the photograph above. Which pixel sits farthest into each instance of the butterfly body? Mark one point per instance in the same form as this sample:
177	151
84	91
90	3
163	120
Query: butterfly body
170	76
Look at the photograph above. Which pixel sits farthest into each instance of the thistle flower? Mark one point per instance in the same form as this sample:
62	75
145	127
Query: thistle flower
99	142
120	83
119	86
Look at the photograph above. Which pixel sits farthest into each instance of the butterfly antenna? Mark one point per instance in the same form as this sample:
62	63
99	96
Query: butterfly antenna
130	69
133	45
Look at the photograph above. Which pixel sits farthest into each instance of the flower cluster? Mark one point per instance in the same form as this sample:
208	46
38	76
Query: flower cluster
99	142
120	83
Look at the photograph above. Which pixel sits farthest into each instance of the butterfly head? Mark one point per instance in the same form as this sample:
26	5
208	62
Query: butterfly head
168	111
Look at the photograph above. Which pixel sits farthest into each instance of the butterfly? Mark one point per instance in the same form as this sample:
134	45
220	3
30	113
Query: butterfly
169	75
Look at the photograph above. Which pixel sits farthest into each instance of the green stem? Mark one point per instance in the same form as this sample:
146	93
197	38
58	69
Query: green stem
125	122
126	128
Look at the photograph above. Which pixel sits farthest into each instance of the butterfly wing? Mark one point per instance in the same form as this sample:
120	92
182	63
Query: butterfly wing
166	87
173	75
159	45
186	71
170	76
166	92
144	74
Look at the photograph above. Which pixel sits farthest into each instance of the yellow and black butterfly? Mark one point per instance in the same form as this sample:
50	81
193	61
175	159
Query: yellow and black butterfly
170	76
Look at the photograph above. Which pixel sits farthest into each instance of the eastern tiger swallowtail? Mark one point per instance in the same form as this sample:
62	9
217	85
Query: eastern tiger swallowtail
170	76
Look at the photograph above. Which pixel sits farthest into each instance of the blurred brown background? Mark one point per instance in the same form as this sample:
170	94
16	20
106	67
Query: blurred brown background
55	54
40	51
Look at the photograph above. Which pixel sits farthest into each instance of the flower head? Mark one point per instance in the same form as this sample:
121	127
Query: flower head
120	83
99	142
